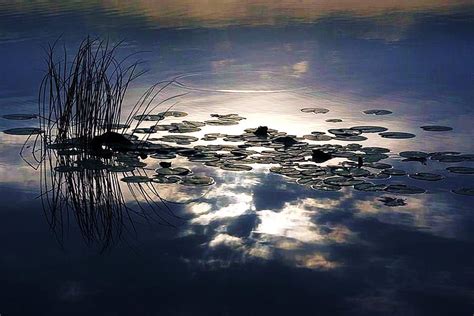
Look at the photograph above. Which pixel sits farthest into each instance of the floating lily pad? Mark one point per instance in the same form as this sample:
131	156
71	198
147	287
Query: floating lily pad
464	191
375	150
198	181
370	187
19	117
177	171
404	189
461	170
315	110
144	130
378	176
193	123
426	176
163	155
369	158
378	112
221	122
150	117
136	179
394	172
287	171
397	135
232	116
369	129
320	138
351	172
173	114
166	179
378	165
344	132
357	138
391	201
235	167
342	181
308	181
436	128
183	129
178	138
414	154
23	131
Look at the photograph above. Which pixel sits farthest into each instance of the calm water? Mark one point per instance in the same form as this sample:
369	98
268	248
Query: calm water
257	242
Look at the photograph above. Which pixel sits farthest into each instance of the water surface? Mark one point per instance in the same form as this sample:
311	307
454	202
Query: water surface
258	243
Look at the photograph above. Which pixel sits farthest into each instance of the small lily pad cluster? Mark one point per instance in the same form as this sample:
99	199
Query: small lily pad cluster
298	158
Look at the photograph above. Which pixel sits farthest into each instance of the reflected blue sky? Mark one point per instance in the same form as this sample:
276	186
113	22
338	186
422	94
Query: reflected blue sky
257	243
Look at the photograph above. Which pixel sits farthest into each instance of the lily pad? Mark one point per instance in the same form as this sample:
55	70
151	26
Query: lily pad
315	110
370	187
394	172
235	167
344	132
308	181
172	171
377	112
198	181
369	129
178	138
136	179
356	138
165	179
378	165
461	170
232	116
19	117
150	117
173	114
342	181
436	128
397	135
391	201
375	150
221	122
163	155
414	154
426	176
319	137
23	131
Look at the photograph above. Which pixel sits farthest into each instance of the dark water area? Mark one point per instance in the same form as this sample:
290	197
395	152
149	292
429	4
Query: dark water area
257	242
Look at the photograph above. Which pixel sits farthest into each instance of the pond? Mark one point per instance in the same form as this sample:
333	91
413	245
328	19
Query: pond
303	158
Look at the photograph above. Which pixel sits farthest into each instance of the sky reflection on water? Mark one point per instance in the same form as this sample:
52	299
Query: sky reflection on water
257	243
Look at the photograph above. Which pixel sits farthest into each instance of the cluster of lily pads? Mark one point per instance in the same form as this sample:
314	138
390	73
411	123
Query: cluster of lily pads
298	158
